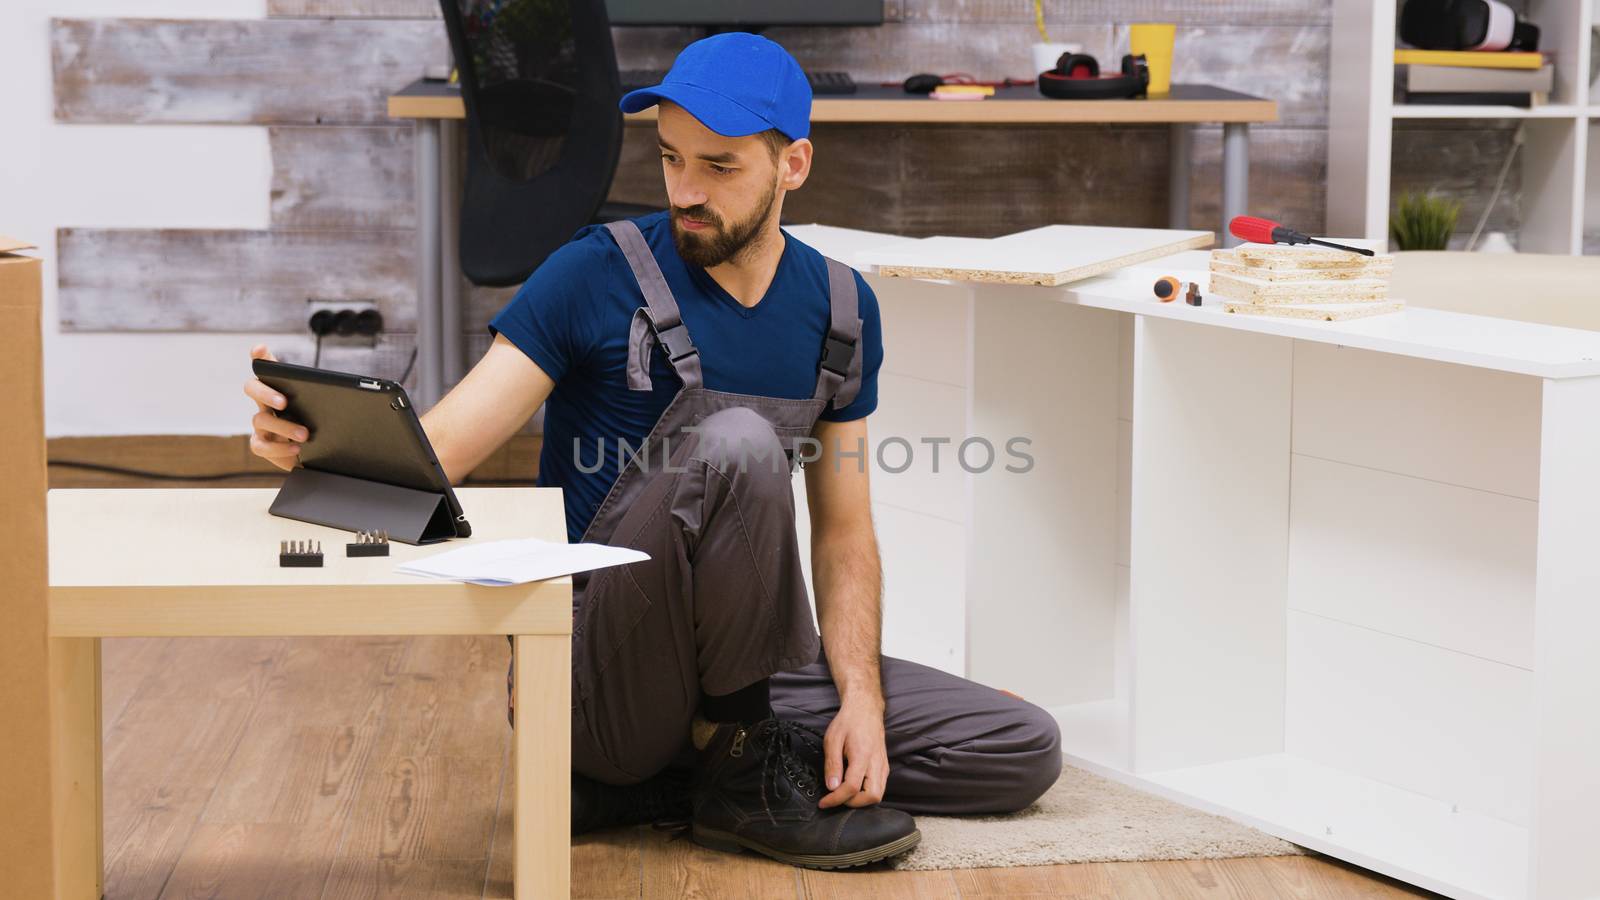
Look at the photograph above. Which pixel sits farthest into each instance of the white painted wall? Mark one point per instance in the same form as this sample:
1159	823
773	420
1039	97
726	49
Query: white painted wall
125	176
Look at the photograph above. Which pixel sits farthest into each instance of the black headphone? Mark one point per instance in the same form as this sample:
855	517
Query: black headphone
1077	77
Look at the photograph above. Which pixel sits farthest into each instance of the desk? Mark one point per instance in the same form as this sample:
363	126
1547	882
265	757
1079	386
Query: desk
1334	580
436	109
184	563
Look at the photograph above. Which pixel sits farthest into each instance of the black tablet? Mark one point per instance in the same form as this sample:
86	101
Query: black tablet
360	427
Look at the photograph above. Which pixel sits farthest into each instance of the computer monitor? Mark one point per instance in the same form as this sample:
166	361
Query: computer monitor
745	13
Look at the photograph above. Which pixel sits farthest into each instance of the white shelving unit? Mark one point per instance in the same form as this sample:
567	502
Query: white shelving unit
1555	159
1332	580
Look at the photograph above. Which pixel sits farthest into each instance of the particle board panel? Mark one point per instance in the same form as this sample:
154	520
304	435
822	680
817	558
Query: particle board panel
1050	255
1439	723
924	563
1209	543
1434	563
236	71
342	178
927	329
1567	735
1464	853
1454	424
1124	492
1043	552
918	446
227	281
1319	312
924	570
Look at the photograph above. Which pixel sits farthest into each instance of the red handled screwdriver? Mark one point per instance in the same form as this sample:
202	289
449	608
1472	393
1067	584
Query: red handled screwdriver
1266	231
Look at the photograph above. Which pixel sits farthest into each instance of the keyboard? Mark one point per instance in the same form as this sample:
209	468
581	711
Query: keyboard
821	82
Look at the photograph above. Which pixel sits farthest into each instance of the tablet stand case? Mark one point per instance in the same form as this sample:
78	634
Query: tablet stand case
356	504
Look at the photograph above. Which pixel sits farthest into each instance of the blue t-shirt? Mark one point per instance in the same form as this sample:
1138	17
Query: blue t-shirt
572	318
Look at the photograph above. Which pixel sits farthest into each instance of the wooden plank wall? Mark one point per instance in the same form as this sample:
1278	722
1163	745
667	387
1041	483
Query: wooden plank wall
342	205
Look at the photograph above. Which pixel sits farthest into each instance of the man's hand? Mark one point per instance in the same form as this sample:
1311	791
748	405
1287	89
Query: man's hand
855	758
273	439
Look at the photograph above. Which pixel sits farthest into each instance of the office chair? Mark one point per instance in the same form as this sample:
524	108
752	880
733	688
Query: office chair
539	80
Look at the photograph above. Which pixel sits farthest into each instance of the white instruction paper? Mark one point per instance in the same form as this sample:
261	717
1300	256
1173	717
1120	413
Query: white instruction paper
519	561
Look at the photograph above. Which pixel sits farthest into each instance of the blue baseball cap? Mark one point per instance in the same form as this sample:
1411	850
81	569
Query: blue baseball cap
735	84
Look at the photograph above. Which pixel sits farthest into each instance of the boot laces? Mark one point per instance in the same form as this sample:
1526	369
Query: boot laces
786	765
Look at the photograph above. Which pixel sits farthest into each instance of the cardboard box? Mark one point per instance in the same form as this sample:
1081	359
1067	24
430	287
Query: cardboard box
26	846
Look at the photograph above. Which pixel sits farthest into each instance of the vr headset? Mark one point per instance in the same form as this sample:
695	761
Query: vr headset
1465	25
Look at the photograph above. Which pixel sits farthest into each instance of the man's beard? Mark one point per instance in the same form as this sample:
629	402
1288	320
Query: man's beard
718	243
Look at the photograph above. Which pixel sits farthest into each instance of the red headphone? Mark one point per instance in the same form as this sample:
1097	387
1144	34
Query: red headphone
1077	77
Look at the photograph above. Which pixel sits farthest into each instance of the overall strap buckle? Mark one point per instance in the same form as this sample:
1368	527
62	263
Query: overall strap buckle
675	342
836	355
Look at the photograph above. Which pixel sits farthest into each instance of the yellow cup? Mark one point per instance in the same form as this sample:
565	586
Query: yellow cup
1154	40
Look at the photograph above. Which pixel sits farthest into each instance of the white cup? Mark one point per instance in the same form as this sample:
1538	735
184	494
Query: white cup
1045	55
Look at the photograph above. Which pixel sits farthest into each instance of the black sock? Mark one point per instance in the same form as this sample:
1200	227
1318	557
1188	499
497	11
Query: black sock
749	704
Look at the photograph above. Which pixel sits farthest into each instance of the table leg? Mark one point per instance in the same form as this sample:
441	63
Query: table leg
1235	176
451	282
79	799
1178	175
1566	673
543	757
427	264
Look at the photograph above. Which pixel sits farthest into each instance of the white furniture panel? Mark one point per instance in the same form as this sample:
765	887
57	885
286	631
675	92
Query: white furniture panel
924	573
1124	491
1457	424
921	477
1041	596
923	567
1567	735
1210	502
1417	839
926	329
1431	721
1435	563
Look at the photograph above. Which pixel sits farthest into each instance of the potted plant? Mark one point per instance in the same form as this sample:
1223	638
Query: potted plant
1423	222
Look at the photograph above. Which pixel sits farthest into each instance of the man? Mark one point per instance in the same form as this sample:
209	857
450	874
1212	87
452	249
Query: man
686	357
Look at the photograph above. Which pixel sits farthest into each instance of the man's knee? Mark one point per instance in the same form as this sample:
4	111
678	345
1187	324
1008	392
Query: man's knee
740	443
1035	758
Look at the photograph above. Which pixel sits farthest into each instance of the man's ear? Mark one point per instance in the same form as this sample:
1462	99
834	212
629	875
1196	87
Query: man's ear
794	164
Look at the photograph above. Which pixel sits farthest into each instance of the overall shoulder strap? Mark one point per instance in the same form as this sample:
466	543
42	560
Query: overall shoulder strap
664	322
839	372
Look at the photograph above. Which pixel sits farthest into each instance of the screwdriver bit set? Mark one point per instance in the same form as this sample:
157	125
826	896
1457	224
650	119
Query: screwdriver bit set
300	554
369	543
308	554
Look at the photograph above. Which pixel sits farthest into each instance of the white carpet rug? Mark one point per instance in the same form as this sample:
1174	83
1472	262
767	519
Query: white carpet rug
1085	818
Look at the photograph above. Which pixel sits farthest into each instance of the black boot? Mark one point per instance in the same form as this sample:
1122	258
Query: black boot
596	805
757	788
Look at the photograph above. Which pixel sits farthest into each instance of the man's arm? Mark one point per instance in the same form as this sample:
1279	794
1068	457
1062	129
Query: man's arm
848	582
497	397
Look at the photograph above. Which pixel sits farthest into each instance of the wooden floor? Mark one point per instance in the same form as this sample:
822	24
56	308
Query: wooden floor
376	767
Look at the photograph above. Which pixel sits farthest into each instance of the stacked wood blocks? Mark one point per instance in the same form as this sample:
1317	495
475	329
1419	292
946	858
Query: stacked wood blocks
1302	282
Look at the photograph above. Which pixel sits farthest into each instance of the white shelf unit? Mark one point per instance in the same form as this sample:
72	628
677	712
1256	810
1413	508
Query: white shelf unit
1281	570
1554	160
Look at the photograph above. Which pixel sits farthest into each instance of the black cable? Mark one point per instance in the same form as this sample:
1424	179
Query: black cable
220	476
316	360
409	363
161	476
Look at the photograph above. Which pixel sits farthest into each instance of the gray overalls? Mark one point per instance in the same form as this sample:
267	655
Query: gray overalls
722	602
